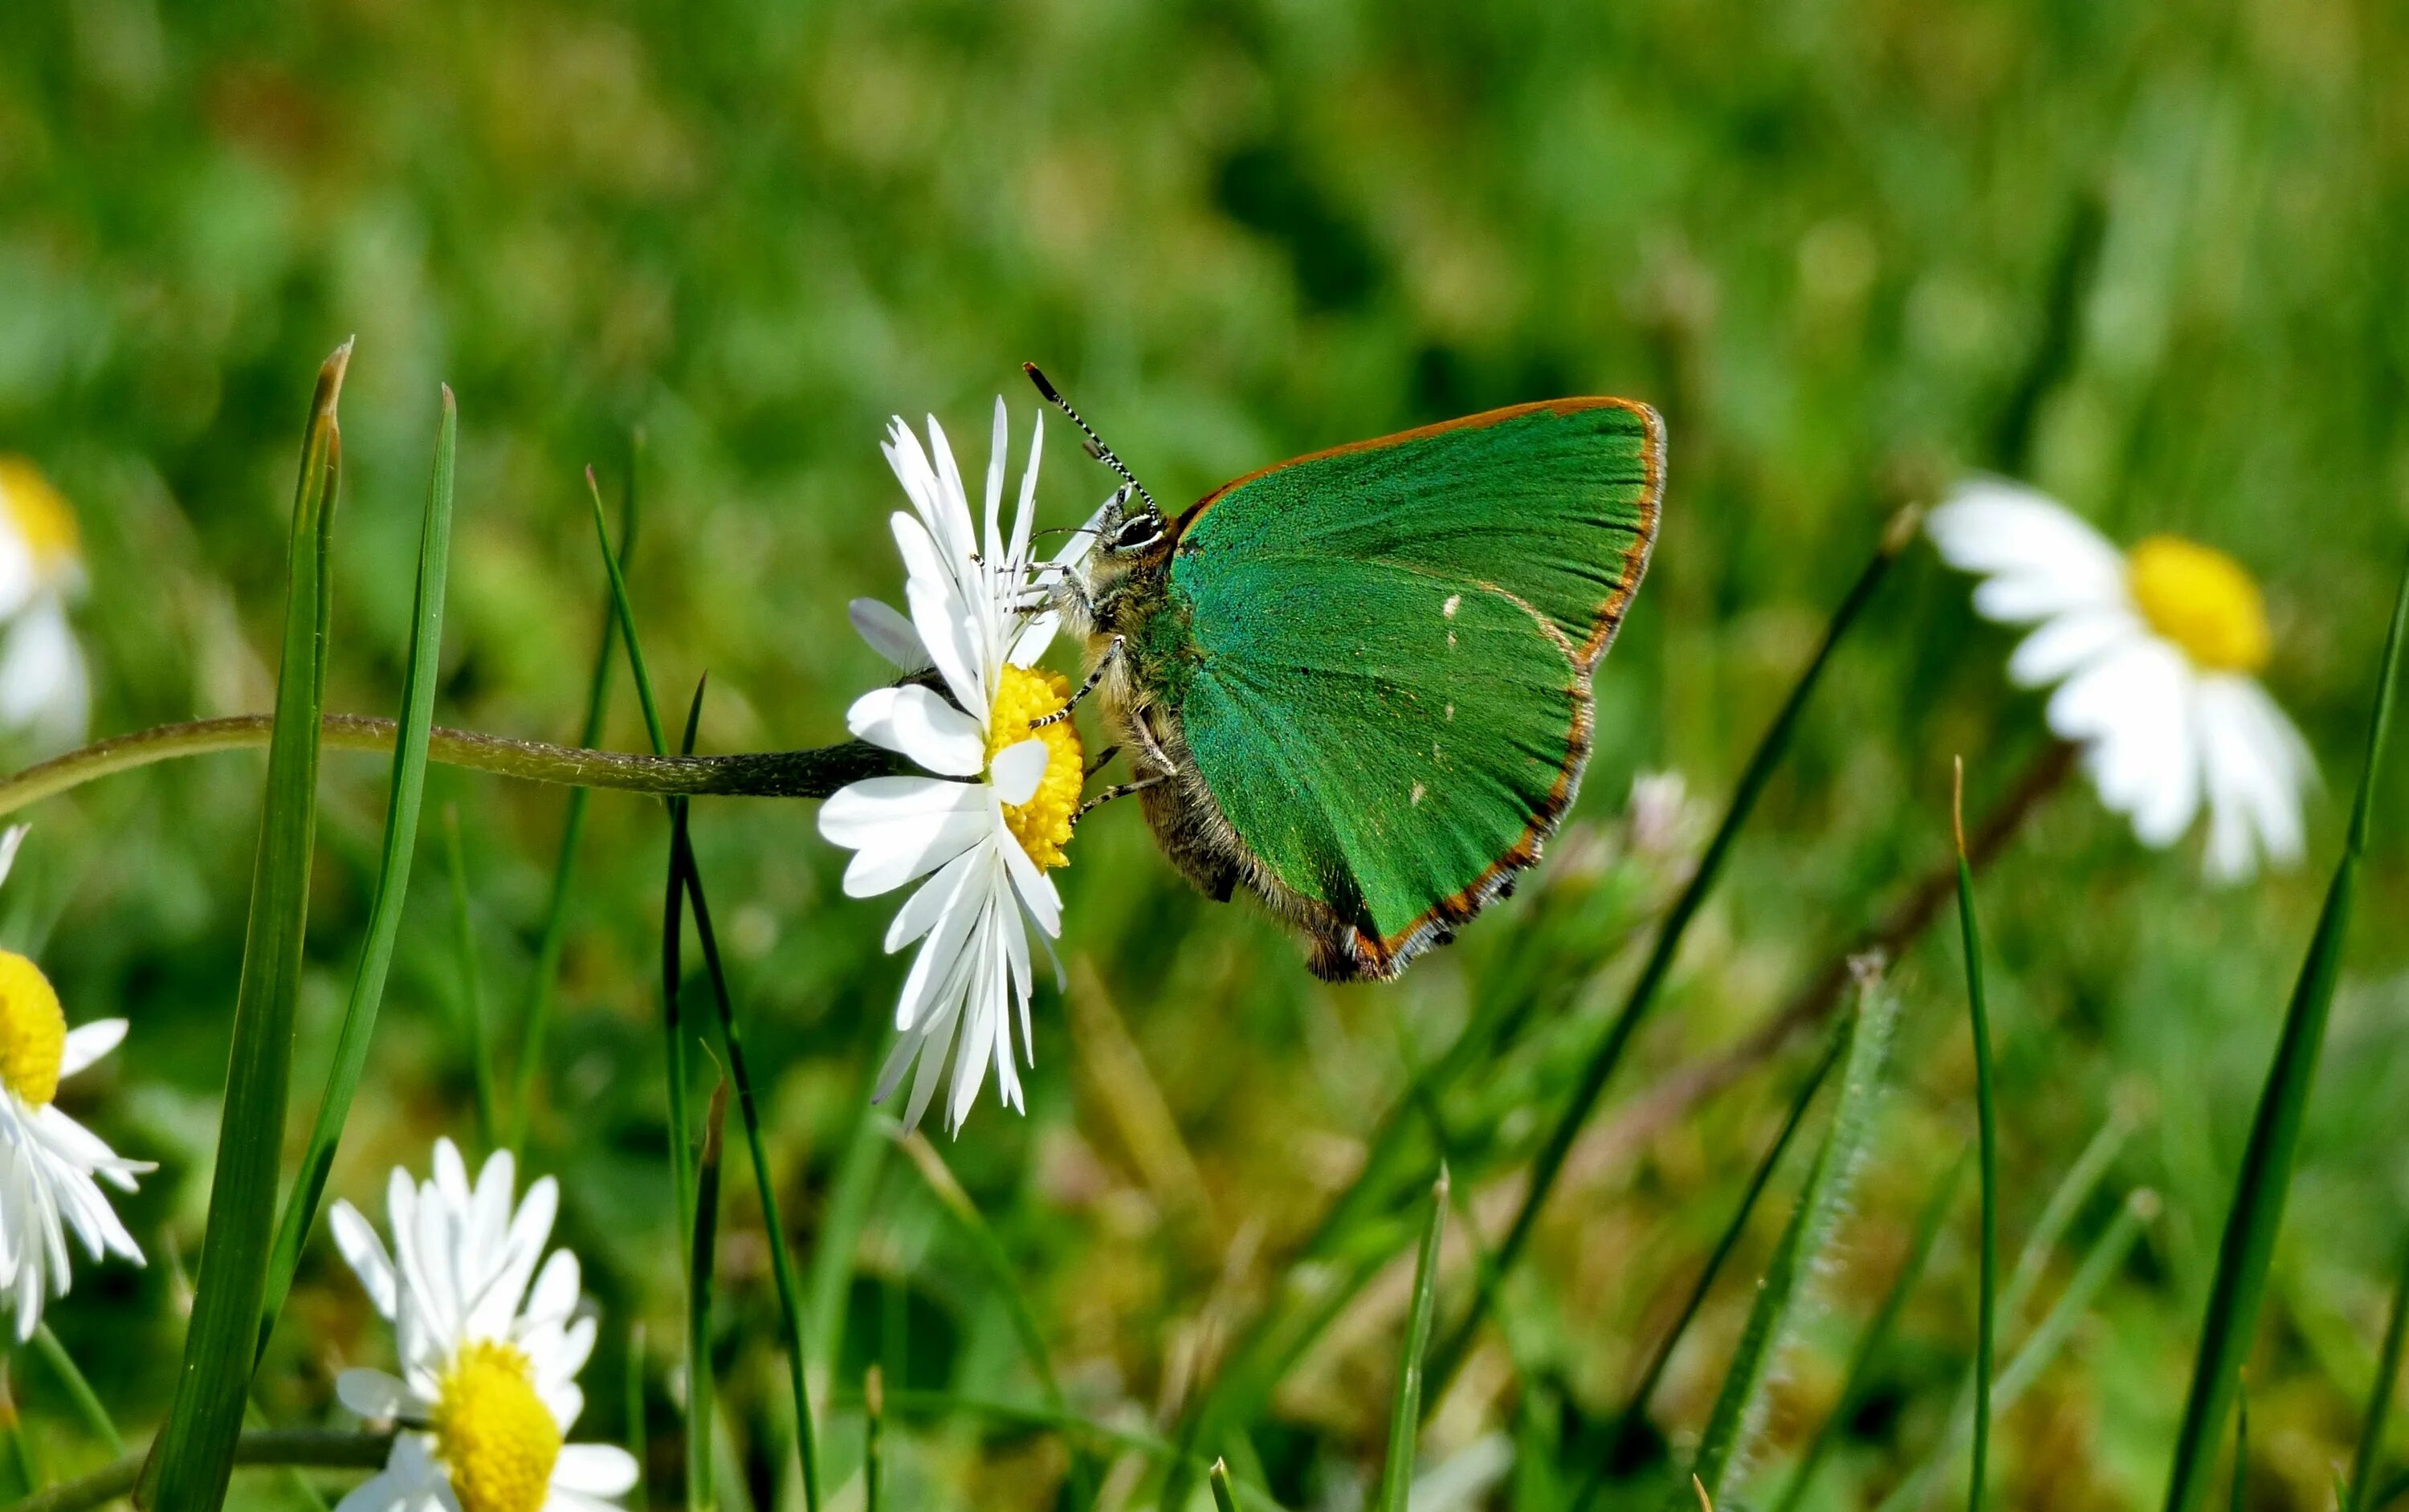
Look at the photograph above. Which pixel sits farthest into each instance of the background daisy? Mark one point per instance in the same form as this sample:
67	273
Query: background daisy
44	688
490	1347
2154	654
50	1166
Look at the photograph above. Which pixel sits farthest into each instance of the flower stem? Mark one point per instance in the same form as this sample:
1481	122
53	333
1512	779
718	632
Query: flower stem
814	772
310	1446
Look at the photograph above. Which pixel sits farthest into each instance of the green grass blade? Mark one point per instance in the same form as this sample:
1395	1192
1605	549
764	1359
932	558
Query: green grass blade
682	1170
2106	1257
1635	1411
1003	1277
87	1400
545	987
626	614
702	1259
196	1450
2242	1454
1739	1404
1762	764
992	1258
1985	1118
2073	1191
402	804
782	1263
2266	1177
472	996
2379	1396
1859	1378
874	1440
840	1233
1218	1478
638	1449
1405	1409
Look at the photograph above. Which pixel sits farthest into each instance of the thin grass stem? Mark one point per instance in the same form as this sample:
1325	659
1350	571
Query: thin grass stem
1219	1478
702	1256
1634	1410
638	1447
404	797
1859	1379
2265	1179
1406	1407
1985	1118
310	1447
782	1264
87	1400
874	1439
2379	1395
1548	1165
472	996
1814	1221
813	772
195	1454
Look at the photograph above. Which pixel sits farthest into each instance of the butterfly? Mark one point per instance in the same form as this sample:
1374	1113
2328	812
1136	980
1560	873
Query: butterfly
1357	683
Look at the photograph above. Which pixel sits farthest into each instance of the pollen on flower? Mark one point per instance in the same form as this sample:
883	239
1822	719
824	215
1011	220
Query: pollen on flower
2203	601
39	514
496	1437
1041	825
33	1030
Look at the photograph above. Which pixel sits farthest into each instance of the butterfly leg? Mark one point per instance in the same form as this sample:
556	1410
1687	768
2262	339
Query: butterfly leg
1120	790
1102	757
1111	653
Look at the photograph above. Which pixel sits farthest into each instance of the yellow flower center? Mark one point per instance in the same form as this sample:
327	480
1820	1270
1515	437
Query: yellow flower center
38	513
33	1030
1041	825
495	1436
2203	601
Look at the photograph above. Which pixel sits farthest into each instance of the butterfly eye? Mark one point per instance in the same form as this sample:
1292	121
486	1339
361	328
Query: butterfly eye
1138	531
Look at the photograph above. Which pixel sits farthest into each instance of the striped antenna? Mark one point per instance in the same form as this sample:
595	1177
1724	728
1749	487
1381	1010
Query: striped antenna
1095	444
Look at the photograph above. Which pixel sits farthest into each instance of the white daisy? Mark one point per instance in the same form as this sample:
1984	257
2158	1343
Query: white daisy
48	1161
44	689
994	818
490	1349
2154	653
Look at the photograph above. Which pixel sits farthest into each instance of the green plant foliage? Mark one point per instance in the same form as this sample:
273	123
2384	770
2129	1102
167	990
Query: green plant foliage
2265	1179
1740	1405
194	1455
402	802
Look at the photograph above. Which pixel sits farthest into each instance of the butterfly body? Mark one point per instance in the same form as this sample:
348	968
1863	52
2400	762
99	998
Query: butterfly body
1358	682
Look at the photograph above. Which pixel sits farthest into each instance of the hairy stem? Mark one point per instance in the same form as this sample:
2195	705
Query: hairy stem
306	1446
808	773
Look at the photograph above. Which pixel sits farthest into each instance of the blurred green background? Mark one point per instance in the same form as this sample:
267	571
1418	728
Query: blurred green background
2148	256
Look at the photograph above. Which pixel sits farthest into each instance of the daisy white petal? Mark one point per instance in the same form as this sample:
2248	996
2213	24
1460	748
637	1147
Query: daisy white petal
87	1042
931	901
914	721
357	1241
373	1393
998	445
1992	526
887	633
2067	642
1018	769
596	1470
44	687
2255	768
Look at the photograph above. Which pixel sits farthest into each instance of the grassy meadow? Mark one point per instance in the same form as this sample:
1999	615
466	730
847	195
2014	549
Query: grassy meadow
2147	258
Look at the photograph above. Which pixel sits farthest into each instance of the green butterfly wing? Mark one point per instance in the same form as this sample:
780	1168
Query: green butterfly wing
1386	688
